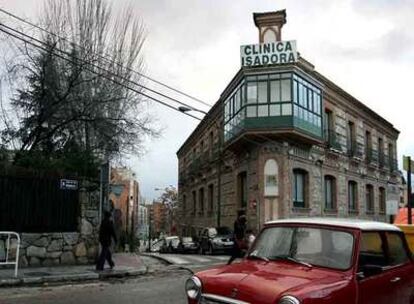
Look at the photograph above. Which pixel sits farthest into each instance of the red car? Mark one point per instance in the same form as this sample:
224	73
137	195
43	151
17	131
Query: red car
314	261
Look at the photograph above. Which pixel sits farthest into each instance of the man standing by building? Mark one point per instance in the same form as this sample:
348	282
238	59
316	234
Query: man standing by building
239	236
106	233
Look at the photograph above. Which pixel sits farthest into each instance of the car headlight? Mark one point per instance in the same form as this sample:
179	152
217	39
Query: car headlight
193	288
289	300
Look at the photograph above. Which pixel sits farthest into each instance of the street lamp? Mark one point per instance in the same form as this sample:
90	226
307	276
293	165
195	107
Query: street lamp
219	125
187	109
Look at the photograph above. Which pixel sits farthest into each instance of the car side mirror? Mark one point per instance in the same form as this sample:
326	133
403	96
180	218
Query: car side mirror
369	270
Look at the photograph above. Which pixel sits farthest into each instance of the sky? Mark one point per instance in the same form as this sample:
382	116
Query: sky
365	47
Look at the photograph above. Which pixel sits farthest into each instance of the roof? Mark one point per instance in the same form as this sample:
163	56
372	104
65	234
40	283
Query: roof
340	222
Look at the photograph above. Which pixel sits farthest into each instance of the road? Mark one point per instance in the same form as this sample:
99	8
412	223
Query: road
164	285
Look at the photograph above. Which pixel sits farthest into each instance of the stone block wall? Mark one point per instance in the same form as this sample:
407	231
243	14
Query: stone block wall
66	248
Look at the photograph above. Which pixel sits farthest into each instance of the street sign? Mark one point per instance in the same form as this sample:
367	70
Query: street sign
68	184
391	208
406	161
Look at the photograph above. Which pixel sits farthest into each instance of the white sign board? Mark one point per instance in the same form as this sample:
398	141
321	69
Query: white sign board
268	53
68	184
391	208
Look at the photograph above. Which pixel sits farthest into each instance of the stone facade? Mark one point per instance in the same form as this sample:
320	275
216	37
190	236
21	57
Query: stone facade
218	175
64	248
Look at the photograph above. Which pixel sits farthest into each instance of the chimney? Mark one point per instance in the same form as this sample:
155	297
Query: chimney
270	25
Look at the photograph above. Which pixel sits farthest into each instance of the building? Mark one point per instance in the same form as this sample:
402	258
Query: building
143	217
158	219
284	141
124	196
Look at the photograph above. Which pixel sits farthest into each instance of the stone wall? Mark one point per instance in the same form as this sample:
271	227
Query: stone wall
66	248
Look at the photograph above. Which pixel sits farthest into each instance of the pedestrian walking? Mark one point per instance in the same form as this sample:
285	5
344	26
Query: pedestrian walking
106	234
239	236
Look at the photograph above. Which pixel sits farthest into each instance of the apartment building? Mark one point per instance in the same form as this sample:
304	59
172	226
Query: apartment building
285	141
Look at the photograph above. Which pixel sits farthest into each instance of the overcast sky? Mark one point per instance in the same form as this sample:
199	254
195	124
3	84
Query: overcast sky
366	47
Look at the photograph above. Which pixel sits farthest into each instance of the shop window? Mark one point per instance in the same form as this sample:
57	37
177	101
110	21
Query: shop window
352	196
271	180
299	188
330	192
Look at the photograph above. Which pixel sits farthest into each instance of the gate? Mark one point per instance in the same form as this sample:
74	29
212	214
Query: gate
36	204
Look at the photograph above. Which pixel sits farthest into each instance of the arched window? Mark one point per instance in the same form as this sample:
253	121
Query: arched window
271	183
300	188
352	196
330	192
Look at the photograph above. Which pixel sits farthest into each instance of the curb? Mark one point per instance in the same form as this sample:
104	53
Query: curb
79	277
158	257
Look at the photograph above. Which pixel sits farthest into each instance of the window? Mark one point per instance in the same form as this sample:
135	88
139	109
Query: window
201	200
369	198
252	92
328	124
391	156
397	251
275	91
381	152
242	189
372	250
368	147
382	200
351	139
330	192
211	197
194	202
211	139
299	188
323	247
352	196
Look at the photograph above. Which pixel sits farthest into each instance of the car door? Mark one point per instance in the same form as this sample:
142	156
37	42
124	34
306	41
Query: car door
374	288
400	268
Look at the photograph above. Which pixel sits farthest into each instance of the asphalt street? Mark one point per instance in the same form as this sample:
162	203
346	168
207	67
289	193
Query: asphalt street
165	284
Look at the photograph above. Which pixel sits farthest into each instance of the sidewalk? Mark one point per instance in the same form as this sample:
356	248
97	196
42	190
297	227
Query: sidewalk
126	265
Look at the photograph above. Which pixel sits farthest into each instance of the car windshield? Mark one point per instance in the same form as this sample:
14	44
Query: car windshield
223	231
309	246
187	239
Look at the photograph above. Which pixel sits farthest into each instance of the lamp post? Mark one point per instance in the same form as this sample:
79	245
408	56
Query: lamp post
220	155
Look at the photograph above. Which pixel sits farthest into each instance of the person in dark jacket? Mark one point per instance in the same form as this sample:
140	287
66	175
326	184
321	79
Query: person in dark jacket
239	236
106	234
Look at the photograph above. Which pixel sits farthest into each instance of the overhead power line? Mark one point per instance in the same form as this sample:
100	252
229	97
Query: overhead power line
128	80
104	58
92	71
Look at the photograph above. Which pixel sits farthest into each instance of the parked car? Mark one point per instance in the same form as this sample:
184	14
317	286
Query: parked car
213	240
313	261
187	244
170	244
156	245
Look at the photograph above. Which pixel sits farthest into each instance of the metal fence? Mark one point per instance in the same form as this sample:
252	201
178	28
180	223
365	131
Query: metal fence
7	237
37	204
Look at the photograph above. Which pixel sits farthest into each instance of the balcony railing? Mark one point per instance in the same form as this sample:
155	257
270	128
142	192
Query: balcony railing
352	148
381	159
331	139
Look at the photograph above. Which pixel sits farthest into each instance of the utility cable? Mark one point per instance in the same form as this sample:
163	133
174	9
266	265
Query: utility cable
104	58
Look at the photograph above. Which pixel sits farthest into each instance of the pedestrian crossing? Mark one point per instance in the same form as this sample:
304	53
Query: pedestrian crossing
192	259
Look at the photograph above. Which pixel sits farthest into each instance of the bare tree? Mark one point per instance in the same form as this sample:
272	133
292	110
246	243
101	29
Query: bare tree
75	96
